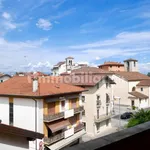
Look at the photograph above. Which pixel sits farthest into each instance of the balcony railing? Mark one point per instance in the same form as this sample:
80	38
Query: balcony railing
102	118
78	128
53	139
60	136
78	110
53	117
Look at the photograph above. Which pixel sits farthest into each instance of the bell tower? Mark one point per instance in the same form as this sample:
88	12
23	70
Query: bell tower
131	65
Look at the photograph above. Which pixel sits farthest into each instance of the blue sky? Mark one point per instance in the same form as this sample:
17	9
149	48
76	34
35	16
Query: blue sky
36	34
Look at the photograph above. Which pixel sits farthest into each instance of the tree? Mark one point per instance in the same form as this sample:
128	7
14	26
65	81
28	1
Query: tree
139	117
148	74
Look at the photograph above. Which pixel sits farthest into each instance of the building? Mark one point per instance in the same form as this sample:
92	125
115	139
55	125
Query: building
131	65
13	138
39	105
126	88
4	77
112	66
97	100
66	66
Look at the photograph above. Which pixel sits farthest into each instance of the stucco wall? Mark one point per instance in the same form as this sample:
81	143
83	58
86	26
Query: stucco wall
4	110
11	142
121	89
91	107
132	84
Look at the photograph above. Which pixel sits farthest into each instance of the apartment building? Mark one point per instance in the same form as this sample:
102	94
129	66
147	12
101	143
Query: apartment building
97	100
31	103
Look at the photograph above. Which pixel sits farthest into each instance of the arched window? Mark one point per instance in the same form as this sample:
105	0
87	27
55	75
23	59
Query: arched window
134	88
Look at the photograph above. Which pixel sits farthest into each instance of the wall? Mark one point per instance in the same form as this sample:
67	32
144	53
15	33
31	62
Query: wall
91	107
11	142
121	89
132	84
4	110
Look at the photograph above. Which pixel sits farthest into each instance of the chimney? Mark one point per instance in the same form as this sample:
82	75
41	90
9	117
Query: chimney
35	84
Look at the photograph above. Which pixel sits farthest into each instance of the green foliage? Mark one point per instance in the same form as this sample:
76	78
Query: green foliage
133	107
139	117
148	74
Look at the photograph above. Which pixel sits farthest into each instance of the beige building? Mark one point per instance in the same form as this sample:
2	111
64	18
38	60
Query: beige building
126	88
97	100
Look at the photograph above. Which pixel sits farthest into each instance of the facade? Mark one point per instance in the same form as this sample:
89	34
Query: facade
13	138
25	101
125	88
66	66
97	100
112	66
4	77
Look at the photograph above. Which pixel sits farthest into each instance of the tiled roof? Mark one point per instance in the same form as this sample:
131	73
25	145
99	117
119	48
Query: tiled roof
144	83
130	59
22	86
132	76
89	70
138	95
111	63
2	74
85	80
59	63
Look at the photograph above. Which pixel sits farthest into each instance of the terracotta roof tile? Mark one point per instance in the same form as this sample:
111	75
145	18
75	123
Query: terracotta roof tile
138	95
21	86
132	76
144	83
111	63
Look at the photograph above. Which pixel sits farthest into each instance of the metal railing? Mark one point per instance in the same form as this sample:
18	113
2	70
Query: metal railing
102	118
53	117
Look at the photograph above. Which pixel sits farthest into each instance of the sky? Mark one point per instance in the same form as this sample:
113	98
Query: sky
36	34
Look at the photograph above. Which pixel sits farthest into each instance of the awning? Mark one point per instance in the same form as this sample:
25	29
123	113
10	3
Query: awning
58	125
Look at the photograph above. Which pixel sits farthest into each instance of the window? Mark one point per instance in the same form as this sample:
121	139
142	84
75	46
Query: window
134	64
107	122
97	85
98	102
110	66
133	89
83	99
141	89
83	113
11	113
140	101
70	62
107	84
1	80
62	105
98	113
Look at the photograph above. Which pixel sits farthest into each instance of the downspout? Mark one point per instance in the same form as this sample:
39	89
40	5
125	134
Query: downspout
35	121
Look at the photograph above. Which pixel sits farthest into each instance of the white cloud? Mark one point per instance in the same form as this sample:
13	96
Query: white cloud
97	58
58	3
6	15
44	24
144	67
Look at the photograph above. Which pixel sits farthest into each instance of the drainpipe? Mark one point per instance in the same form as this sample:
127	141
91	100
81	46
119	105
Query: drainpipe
35	121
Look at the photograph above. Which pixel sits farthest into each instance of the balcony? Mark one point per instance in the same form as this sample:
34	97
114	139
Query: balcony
63	135
102	118
53	117
78	110
65	114
78	128
53	139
